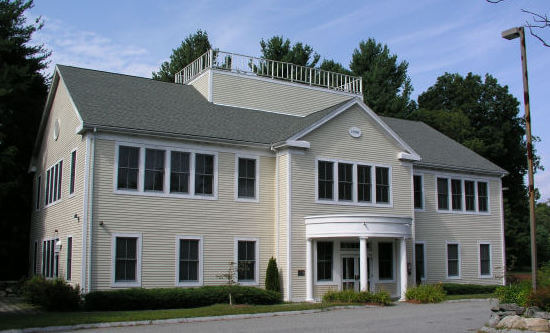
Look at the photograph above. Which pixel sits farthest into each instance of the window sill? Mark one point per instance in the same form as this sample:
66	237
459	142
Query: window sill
462	212
386	281
53	203
125	284
256	200
189	284
166	195
486	276
248	283
353	203
325	283
453	277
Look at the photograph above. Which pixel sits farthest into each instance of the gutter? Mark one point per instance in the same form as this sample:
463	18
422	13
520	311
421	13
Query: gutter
461	169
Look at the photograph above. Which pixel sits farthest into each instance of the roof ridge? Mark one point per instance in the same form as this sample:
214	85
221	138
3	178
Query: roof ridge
115	73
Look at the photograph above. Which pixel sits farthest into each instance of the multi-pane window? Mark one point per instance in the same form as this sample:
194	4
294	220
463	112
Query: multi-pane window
126	259
49	258
154	170
73	172
326	180
453	260
246	261
246	182
188	260
385	261
128	168
35	258
179	172
345	181
418	194
38	189
382	185
324	261
482	199
420	261
442	193
456	194
470	195
485	259
69	258
54	177
204	174
364	183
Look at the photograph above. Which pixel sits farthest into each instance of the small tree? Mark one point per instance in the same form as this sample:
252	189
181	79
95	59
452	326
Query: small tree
272	276
229	277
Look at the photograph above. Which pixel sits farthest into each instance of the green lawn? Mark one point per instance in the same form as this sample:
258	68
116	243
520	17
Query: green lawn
11	321
470	296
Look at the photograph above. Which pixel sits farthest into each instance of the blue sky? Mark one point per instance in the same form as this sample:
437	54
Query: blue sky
434	36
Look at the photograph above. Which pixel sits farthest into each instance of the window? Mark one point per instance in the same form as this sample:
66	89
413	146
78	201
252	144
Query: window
470	195
54	177
485	259
49	258
246	178
38	188
246	261
204	174
364	183
179	172
456	190
442	193
420	261
382	185
324	261
189	260
453	260
73	172
35	258
345	181
385	261
69	257
349	245
154	170
418	195
482	198
128	168
126	249
326	180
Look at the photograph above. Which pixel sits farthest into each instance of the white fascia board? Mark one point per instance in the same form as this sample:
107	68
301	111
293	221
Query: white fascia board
293	144
408	157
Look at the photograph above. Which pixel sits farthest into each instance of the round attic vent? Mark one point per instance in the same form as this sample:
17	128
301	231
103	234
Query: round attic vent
56	129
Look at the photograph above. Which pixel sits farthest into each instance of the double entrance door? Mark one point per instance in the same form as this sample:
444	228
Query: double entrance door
350	272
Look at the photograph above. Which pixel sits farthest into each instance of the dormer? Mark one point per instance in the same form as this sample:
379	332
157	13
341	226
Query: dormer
237	80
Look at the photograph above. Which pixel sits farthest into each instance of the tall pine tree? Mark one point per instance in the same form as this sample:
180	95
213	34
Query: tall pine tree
23	91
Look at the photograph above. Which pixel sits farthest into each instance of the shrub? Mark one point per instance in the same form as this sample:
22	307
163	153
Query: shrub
351	296
426	293
173	298
540	298
467	289
51	295
272	276
517	293
543	276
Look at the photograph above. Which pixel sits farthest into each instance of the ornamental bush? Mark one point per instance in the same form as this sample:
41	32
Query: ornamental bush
174	298
272	281
351	296
540	298
426	293
51	295
468	289
517	293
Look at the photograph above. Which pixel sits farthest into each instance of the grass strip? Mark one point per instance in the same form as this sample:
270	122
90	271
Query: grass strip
470	296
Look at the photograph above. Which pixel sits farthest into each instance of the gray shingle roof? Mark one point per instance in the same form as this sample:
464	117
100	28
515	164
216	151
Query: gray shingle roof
123	102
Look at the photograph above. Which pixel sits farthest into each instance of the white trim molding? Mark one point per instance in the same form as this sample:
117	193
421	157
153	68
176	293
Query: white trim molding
349	225
236	240
425	261
256	197
490	275
459	250
462	179
200	273
126	284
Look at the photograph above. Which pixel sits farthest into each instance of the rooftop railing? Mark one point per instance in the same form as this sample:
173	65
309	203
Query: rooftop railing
253	66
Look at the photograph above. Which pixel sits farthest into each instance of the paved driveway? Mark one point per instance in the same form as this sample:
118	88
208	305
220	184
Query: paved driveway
464	316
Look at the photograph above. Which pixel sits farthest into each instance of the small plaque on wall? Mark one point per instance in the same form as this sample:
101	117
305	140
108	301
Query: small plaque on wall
301	272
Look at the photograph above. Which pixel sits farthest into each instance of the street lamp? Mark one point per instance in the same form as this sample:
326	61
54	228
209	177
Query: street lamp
512	34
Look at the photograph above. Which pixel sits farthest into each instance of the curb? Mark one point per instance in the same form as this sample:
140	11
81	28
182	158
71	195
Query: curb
178	320
469	300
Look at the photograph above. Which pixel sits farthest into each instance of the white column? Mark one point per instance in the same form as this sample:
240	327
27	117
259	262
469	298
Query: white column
363	268
309	270
403	269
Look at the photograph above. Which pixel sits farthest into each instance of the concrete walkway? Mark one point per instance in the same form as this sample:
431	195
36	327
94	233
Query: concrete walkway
453	316
15	305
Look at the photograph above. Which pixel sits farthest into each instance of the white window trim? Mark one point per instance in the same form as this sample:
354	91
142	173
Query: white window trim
38	193
67	257
35	270
256	182
421	175
42	259
201	262
333	281
425	259
490	275
166	190
459	276
75	172
126	284
44	196
256	266
354	201
394	261
462	178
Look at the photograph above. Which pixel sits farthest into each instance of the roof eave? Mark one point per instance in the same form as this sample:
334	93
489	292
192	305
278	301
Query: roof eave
500	173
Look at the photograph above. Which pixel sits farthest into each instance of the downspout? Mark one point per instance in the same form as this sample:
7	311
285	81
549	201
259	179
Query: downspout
90	209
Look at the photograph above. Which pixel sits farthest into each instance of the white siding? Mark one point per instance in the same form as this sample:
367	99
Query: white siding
201	84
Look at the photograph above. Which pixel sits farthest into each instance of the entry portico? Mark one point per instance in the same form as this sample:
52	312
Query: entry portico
349	227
